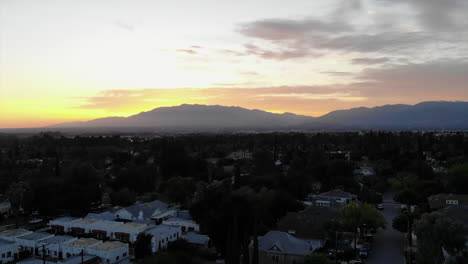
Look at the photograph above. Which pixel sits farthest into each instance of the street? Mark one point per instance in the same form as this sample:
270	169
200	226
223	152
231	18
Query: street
388	243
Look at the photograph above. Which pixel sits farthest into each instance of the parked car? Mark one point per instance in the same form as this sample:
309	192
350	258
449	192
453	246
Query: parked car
380	206
35	221
363	253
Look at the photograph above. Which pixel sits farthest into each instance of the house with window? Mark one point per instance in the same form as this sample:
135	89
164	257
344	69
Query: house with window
277	247
104	229
78	247
129	232
441	200
31	241
155	210
336	198
53	246
8	251
62	225
82	226
185	224
162	235
110	252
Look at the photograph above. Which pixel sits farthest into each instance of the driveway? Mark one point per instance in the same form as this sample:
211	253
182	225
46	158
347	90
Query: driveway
388	243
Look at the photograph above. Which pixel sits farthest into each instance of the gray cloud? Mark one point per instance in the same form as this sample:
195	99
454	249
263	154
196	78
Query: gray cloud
369	61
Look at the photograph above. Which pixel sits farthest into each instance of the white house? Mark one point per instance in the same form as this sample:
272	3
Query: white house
77	247
31	241
111	252
53	245
155	210
128	232
82	226
8	251
185	224
12	234
162	235
81	259
62	224
103	229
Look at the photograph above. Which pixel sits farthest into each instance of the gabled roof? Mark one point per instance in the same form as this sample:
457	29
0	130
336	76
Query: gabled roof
161	230
102	216
337	193
309	223
58	239
4	242
287	244
147	209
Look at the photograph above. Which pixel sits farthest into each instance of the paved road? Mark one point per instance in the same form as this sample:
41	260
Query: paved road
388	243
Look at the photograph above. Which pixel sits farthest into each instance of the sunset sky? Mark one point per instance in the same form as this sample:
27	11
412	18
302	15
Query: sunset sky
66	60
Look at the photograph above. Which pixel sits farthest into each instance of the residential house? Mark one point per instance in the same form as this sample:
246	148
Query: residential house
111	252
62	224
12	234
277	247
442	200
105	216
8	251
308	224
128	232
35	261
155	210
185	224
104	229
53	246
336	198
78	247
81	259
83	226
198	240
162	235
31	241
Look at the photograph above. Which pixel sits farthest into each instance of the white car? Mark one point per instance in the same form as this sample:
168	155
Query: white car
380	206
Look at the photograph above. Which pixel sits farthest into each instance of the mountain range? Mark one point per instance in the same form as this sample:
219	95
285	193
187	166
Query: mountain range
435	115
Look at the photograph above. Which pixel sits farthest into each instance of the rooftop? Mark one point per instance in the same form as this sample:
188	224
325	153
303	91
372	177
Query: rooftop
110	246
86	221
282	242
83	242
132	226
36	236
65	219
161	230
146	208
102	216
58	239
4	242
35	261
194	238
337	193
14	232
76	259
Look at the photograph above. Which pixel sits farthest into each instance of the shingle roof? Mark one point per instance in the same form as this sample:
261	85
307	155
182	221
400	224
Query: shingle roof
337	193
286	244
159	230
102	216
309	223
146	208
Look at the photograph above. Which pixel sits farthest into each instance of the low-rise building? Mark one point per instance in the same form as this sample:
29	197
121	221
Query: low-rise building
334	197
31	241
77	247
12	234
442	200
83	226
53	246
62	224
104	229
5	207
128	232
198	240
185	224
111	252
8	251
280	247
162	235
82	259
155	210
